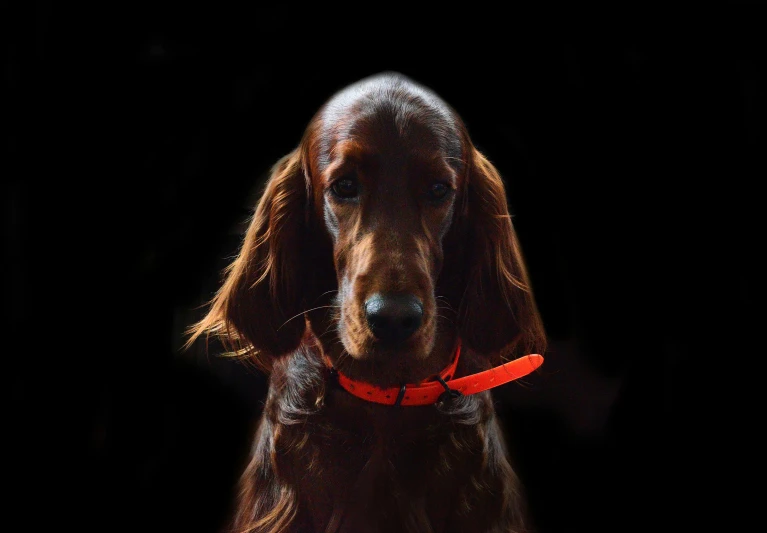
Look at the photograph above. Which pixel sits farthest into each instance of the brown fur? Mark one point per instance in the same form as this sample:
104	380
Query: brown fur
323	460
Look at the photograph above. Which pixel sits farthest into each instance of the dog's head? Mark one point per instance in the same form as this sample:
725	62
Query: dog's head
387	234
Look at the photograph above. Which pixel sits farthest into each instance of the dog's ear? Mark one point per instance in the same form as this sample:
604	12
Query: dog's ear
257	313
497	315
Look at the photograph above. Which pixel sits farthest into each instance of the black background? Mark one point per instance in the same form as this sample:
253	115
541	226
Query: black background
139	136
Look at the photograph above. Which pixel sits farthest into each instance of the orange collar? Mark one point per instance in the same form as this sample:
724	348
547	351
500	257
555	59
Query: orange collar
437	388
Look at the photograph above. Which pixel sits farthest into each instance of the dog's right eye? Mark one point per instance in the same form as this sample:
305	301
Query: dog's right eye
346	188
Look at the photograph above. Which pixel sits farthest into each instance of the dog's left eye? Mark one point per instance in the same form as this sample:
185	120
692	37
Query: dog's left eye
346	188
438	191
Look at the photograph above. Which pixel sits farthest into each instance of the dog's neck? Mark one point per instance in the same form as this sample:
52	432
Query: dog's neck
304	389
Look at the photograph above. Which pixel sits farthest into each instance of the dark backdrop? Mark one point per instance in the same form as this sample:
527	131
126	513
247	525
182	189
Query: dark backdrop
139	136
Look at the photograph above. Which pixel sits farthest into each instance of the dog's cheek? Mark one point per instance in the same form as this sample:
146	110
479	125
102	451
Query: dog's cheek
431	259
343	316
446	221
331	222
350	326
430	327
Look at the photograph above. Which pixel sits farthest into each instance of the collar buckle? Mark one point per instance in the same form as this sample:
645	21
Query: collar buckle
449	393
400	395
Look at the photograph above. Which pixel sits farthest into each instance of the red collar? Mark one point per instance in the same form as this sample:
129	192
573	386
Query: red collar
430	390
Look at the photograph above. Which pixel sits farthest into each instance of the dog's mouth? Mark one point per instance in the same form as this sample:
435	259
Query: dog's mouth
392	347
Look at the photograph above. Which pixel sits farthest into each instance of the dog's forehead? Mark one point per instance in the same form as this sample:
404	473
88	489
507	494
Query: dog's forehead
389	114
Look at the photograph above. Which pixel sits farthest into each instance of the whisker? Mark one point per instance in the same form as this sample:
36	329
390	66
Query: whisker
376	370
446	302
341	358
306	311
333	322
335	342
324	293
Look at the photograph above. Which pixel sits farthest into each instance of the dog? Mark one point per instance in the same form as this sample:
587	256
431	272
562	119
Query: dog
382	287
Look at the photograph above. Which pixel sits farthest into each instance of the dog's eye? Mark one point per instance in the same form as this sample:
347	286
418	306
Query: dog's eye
345	188
438	191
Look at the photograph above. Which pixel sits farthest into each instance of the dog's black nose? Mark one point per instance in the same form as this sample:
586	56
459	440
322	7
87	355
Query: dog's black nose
393	317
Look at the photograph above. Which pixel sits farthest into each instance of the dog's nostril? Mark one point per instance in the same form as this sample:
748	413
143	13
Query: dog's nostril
393	317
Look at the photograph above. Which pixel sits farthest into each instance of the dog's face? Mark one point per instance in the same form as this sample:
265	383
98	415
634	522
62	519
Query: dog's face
386	174
388	234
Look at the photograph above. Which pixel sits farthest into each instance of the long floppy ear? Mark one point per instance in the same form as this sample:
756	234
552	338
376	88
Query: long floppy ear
257	311
498	315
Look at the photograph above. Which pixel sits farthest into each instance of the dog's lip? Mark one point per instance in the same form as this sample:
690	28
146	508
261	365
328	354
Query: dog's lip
385	372
383	351
414	346
421	338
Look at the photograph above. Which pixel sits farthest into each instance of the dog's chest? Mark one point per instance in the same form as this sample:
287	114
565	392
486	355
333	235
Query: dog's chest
378	481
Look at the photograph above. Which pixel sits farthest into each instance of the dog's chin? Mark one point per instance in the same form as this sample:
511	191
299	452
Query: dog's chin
386	364
418	347
411	351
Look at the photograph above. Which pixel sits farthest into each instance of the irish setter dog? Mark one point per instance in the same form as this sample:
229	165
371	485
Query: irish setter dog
380	254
